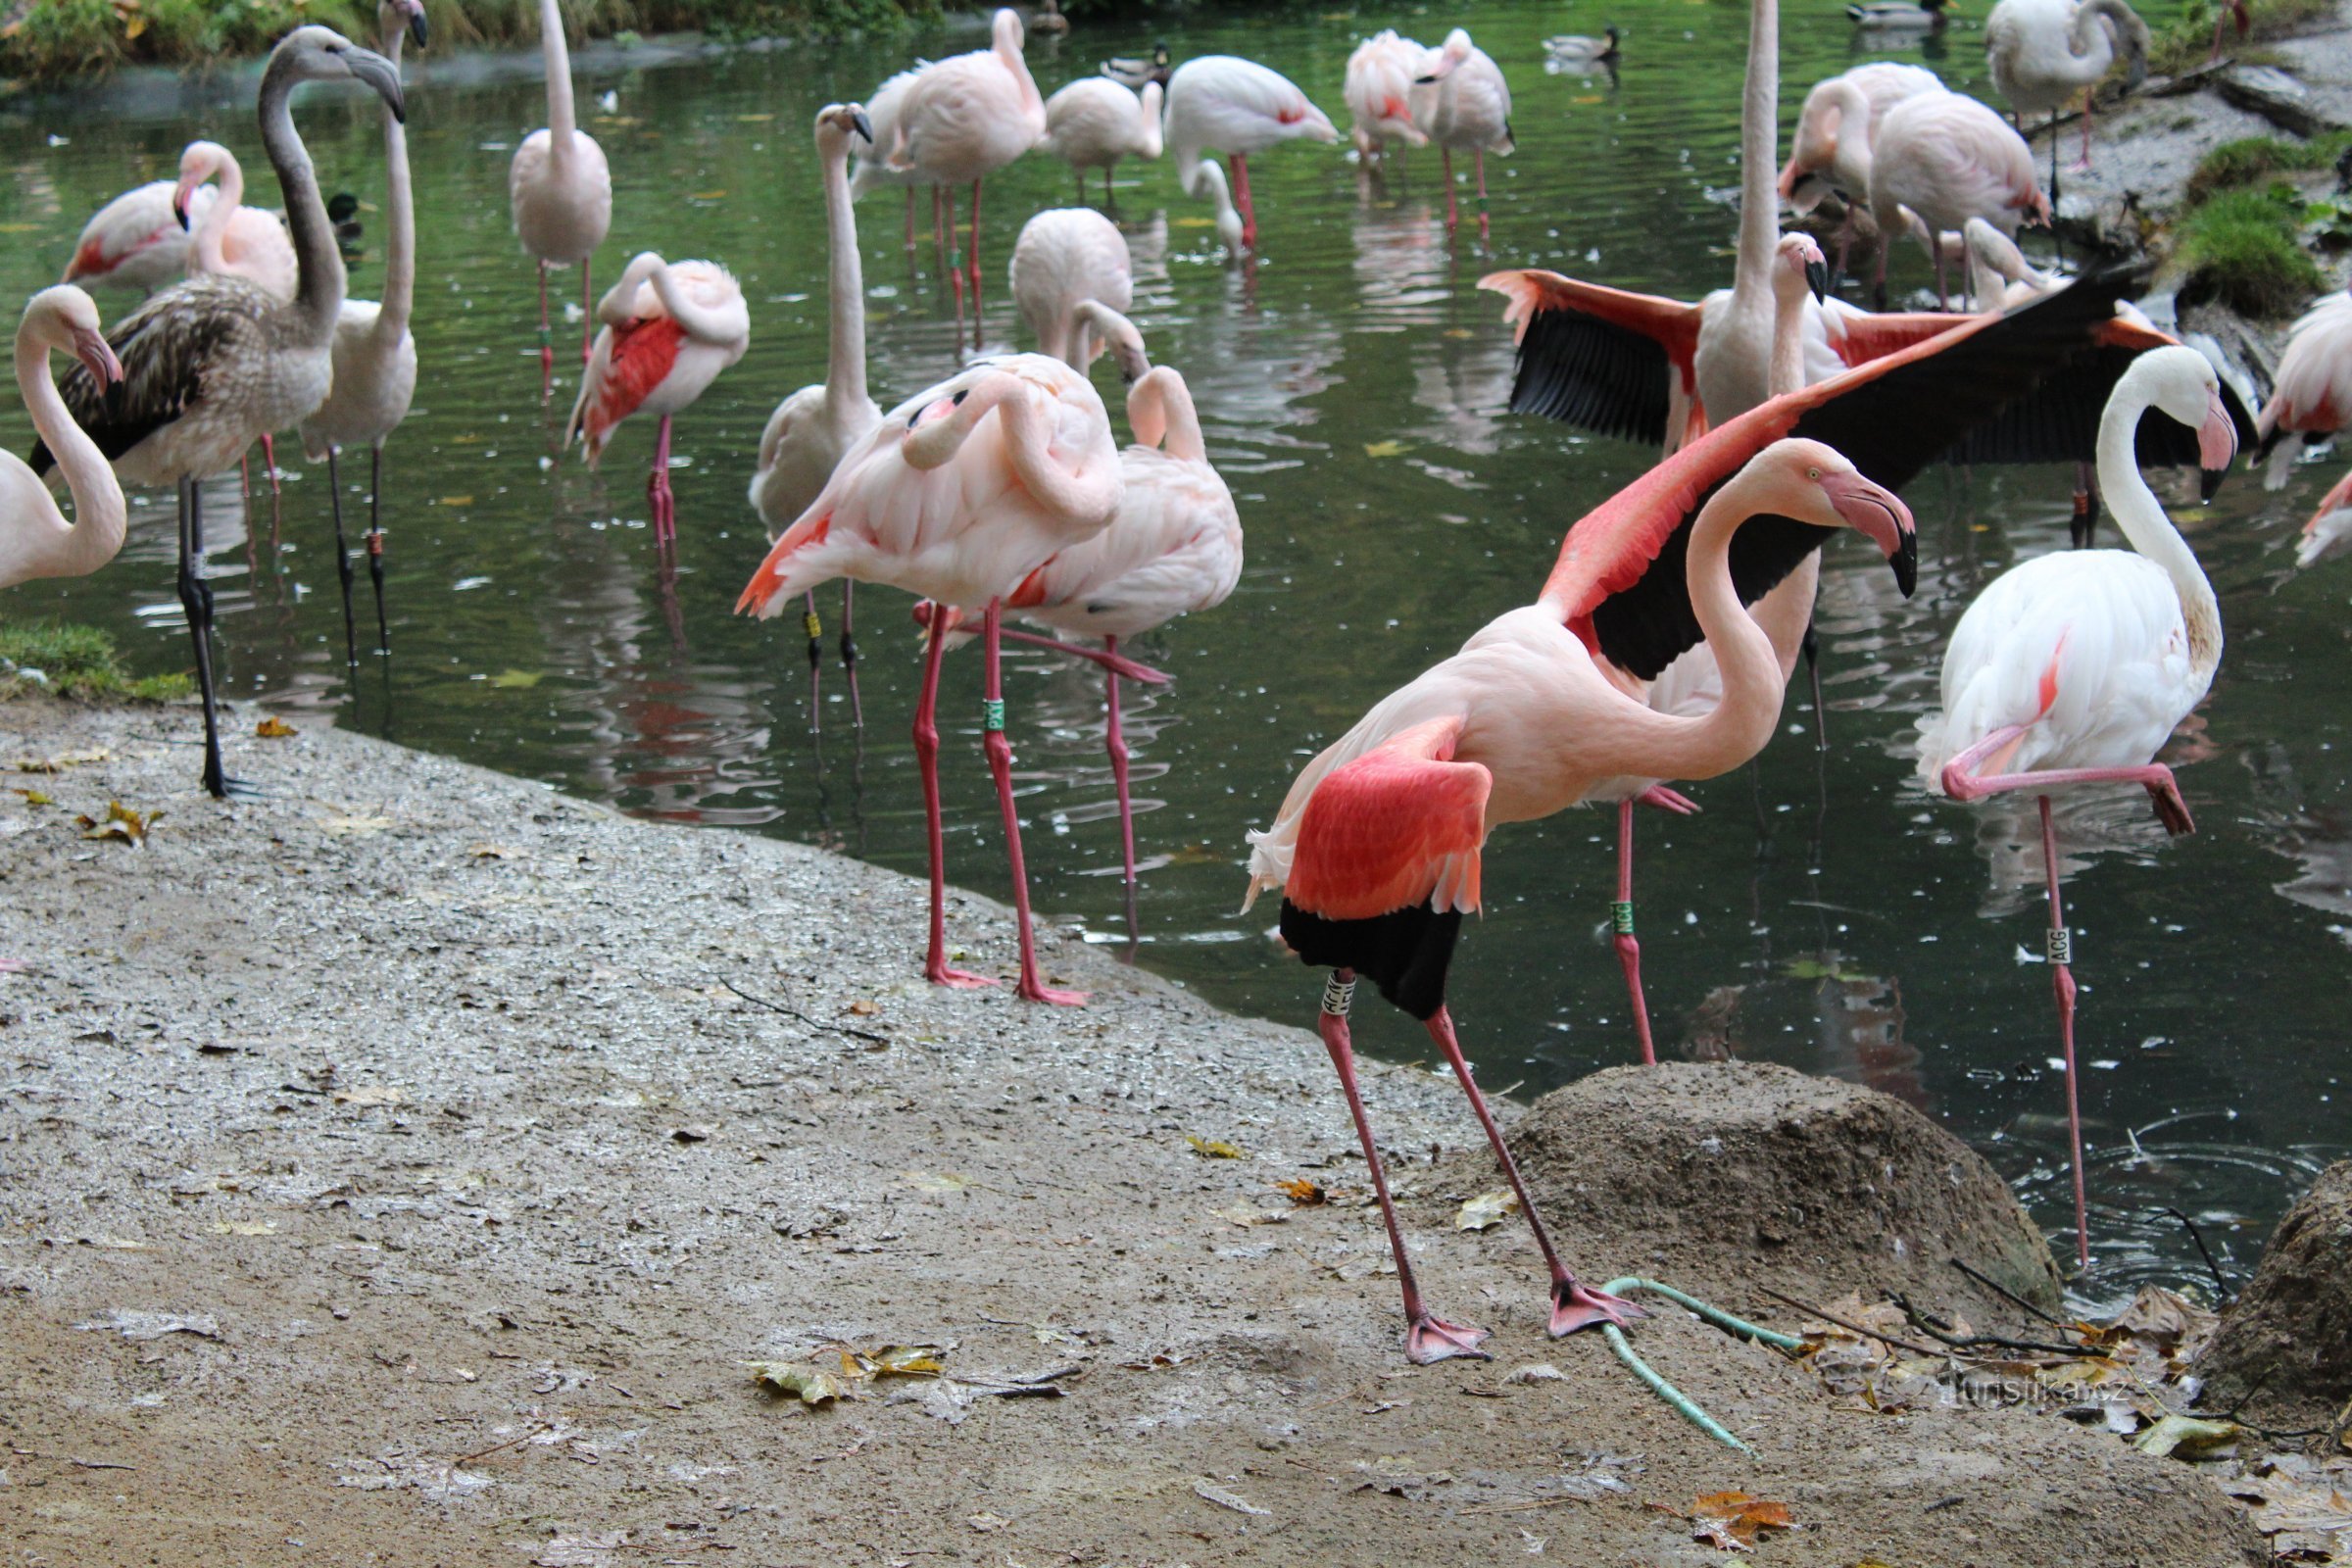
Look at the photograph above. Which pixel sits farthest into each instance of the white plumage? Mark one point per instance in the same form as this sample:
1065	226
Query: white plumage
2043	54
1073	280
1225	103
231	239
1379	92
560	185
1094	121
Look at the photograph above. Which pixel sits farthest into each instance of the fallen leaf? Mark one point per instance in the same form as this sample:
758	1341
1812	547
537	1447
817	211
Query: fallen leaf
121	822
753	119
273	728
368	1095
925	1181
706	195
58	765
797	1380
457	501
1486	1210
861	1009
986	1521
1213	1148
244	1227
897	1361
1730	1521
1207	1493
2185	1434
33	797
133	1325
1303	1192
1245	1215
1384	449
493	852
516	679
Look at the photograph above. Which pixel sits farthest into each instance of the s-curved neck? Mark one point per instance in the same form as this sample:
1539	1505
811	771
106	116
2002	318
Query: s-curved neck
1091	328
318	295
1147	145
1159	411
2141	518
1854	131
400	244
560	120
206	246
845	355
1028	432
1738	727
1759	132
1207	179
100	514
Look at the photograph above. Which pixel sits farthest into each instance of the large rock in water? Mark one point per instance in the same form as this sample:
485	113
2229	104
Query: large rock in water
1713	1175
2287	1338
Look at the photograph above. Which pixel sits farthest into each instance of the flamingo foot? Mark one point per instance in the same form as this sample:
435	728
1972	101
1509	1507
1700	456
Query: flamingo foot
1433	1339
1666	800
939	973
1030	990
1574	1307
2171	809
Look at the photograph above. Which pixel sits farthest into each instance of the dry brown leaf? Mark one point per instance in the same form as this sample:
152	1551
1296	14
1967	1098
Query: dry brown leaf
795	1380
1305	1194
1486	1210
1730	1521
121	822
273	728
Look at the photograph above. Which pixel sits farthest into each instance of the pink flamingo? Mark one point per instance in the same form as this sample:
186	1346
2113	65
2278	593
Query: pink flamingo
1174	549
1378	94
1236	107
1377	846
1949	158
1824	157
2075	668
670	329
35	539
231	239
138	241
2330	526
560	190
2044	53
958	496
1073	281
1462	101
2313	393
1093	122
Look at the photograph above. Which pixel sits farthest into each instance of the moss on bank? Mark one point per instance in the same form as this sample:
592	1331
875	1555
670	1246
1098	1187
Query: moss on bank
76	661
53	39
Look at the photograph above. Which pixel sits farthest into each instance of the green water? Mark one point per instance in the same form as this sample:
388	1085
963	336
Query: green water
1823	912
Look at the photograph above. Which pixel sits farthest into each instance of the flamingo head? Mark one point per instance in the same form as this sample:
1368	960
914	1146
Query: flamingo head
321	54
1004	31
64	318
1447	59
391	16
1803	265
949	624
2189	390
1816	483
836	123
198	161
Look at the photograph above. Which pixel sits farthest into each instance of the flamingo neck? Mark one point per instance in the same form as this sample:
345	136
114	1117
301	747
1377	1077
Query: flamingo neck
2141	518
702	325
1786	372
561	123
318	294
1090	330
1739	727
2090	43
1008	53
99	513
400	243
1148	144
1028	433
1207	179
845	354
1853	156
206	246
1759	129
1160	413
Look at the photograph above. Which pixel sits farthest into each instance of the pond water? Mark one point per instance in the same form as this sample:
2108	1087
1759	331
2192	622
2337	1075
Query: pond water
1823	912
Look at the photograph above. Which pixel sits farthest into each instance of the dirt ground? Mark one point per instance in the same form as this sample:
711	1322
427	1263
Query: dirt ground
388	1175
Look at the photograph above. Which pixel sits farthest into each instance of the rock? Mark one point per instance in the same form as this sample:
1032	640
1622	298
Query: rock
1714	1175
2287	1338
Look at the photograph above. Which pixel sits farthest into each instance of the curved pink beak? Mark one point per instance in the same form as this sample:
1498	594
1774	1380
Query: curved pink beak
925	611
1879	514
2217	437
182	195
97	356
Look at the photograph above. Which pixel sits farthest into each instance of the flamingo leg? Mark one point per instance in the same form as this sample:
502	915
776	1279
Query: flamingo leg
270	460
1573	1307
1115	741
1821	714
947	261
547	338
1961	781
196	600
1118	664
1446	163
975	265
334	490
587	314
1000	763
1621	921
910	216
1427	1337
926	756
1240	195
375	543
245	481
2082	529
1106	197
1478	160
2090	97
816	655
2062	985
659	495
849	653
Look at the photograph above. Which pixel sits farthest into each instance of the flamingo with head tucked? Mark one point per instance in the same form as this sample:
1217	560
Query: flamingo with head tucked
1378	94
1074	283
1226	104
1460	100
560	190
957	496
2044	53
1093	122
35	539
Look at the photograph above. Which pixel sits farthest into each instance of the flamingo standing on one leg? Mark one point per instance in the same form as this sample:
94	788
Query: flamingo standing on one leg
1093	122
1949	158
1462	101
2043	54
1174	549
1378	94
2230	11
670	329
811	429
375	355
35	539
1072	279
2075	668
2313	394
212	364
560	190
873	170
958	495
1237	106
1377	846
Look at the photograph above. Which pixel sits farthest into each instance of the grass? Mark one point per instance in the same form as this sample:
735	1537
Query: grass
2244	249
2185	45
76	661
2253	160
55	39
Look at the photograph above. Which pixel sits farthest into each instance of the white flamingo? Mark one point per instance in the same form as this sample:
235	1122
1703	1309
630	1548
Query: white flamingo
1237	106
1948	157
1825	155
1073	281
35	539
2043	54
375	355
1378	93
1094	121
1462	101
560	190
230	240
2313	396
811	429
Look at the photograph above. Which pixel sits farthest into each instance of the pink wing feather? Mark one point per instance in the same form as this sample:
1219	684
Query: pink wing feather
1400	826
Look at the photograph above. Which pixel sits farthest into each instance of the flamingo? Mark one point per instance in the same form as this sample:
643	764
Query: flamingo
1237	106
670	329
811	428
1462	101
873	171
2330	526
375	355
560	190
230	240
958	496
1998	273
2044	53
2313	393
1093	122
1174	549
1948	157
2075	668
35	540
962	121
1377	846
1378	93
1575	51
212	364
1824	157
2231	11
138	241
1072	280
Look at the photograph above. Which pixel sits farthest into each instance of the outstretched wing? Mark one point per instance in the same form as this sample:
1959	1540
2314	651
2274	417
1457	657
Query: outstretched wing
2058	421
1600	358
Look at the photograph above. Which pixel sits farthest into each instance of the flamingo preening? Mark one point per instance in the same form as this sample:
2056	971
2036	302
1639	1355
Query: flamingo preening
1378	91
374	355
1460	100
1093	123
2311	395
1377	846
2075	668
230	240
669	330
958	496
811	429
2043	54
1074	283
35	539
560	190
212	363
1826	155
1223	103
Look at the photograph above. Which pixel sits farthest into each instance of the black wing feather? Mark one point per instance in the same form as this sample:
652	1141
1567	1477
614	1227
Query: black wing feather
165	346
2058	421
1589	372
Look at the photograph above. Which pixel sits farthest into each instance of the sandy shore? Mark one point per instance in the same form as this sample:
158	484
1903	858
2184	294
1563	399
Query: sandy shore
389	1174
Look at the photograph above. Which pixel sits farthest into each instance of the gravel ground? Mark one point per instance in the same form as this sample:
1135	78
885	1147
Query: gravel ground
389	1174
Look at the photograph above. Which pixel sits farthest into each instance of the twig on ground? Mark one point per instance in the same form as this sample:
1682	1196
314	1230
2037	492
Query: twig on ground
2221	1281
803	1018
1811	1310
1927	1324
484	1453
2006	1293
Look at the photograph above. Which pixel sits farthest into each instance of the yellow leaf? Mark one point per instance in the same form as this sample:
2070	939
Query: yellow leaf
1486	1210
20	228
1192	221
705	196
244	1227
516	679
1384	449
273	728
369	1094
1462	333
34	797
457	501
797	1380
753	119
901	1361
1303	1192
134	27
121	822
1213	1148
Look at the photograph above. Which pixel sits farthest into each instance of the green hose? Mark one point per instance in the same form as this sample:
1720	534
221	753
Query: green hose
1683	1405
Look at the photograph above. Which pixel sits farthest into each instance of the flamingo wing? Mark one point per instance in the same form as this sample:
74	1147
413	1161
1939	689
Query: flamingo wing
1388	862
2058	421
1621	581
1600	358
165	346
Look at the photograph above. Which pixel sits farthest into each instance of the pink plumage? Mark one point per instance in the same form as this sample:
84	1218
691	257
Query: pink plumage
2313	396
1401	824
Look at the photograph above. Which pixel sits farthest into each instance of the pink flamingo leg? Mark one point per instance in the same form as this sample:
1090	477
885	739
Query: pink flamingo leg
910	216
955	272
1962	782
975	262
1118	664
1000	763
816	655
1621	921
1445	162
1477	158
1115	741
658	492
2090	97
587	314
269	459
926	756
849	653
1427	1337
2062	983
1240	195
546	339
1573	1307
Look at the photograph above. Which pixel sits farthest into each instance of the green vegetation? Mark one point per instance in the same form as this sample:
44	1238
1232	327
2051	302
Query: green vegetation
59	38
2185	45
78	661
2251	159
2245	248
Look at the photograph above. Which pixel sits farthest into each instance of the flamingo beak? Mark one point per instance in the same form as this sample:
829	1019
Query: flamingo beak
2216	446
380	75
418	31
1817	277
181	195
97	356
861	126
1879	514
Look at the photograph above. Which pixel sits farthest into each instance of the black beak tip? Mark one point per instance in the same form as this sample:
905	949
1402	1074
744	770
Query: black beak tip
1905	561
1817	278
419	33
864	126
2208	482
1423	82
180	212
